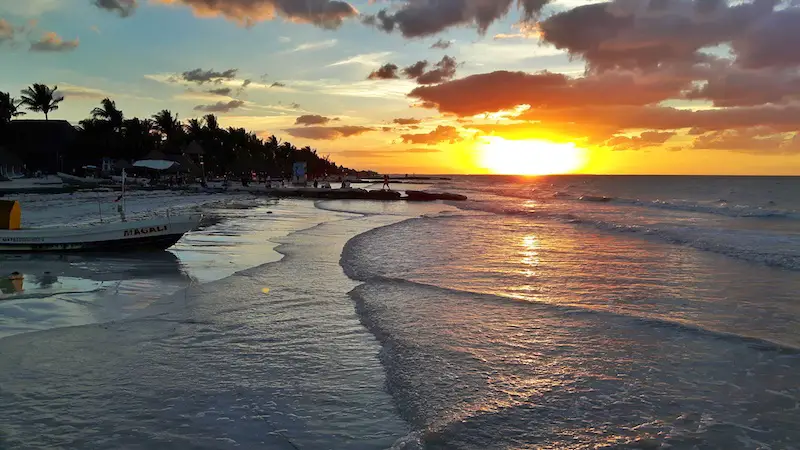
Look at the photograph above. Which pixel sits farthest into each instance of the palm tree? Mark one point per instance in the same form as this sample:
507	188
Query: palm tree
195	129
40	98
9	108
108	112
168	125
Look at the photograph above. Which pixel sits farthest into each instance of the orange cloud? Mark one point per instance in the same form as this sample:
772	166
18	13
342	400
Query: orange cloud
328	133
442	133
323	13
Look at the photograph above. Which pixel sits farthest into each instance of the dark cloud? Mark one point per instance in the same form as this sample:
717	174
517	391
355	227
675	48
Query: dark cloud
201	76
220	107
328	133
51	42
647	33
442	133
424	18
122	7
221	91
771	42
312	119
385	72
415	70
734	86
322	13
444	70
246	83
402	121
277	84
442	44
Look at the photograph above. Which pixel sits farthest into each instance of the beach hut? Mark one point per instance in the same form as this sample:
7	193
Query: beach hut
41	144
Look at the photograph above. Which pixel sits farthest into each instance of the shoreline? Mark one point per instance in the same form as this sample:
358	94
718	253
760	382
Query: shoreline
290	333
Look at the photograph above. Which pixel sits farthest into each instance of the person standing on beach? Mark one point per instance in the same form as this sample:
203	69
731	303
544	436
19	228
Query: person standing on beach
386	183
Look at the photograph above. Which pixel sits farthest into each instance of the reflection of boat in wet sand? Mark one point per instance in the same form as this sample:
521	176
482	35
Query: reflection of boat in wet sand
150	234
96	266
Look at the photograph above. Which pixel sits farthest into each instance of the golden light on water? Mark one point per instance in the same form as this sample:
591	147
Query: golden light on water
529	157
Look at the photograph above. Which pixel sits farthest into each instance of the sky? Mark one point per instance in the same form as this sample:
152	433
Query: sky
441	86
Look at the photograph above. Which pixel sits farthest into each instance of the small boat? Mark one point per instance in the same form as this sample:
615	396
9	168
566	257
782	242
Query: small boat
149	234
157	233
82	181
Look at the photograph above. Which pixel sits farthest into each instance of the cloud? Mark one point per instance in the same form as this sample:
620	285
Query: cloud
442	133
71	91
122	7
310	46
421	150
644	140
648	33
221	91
503	90
312	119
424	18
322	13
765	44
201	76
385	72
443	70
328	133
367	59
410	121
220	107
749	140
277	84
442	44
52	42
7	31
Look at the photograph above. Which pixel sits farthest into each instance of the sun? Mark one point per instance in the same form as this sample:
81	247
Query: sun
529	157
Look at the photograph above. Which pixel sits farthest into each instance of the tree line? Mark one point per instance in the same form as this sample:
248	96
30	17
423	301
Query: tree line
227	151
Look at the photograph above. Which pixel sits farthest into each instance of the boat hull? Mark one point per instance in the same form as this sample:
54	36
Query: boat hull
145	235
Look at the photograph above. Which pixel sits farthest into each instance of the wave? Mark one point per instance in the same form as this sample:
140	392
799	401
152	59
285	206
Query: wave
763	247
719	207
754	342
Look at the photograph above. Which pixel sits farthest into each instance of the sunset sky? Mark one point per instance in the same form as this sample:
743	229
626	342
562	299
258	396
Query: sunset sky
441	86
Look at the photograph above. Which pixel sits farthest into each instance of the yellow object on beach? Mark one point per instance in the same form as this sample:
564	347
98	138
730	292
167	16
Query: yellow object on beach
10	215
265	290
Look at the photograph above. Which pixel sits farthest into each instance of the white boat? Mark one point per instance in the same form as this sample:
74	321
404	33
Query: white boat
82	181
150	234
157	233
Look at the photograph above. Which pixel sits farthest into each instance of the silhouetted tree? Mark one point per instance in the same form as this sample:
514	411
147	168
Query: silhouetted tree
40	98
9	108
108	112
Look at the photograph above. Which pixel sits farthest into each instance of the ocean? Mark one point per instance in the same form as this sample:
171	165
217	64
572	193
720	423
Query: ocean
562	312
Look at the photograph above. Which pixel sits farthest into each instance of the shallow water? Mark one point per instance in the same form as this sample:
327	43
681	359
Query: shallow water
526	317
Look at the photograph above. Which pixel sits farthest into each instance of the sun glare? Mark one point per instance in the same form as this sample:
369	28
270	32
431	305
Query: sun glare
529	157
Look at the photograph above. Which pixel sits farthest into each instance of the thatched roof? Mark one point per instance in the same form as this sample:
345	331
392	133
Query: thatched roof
186	164
194	148
155	154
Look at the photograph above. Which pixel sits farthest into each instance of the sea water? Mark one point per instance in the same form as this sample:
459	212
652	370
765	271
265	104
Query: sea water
550	312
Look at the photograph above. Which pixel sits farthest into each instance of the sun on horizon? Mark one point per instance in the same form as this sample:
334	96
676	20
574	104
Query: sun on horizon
529	157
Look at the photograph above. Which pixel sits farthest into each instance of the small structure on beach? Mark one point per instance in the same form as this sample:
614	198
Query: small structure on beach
10	164
40	144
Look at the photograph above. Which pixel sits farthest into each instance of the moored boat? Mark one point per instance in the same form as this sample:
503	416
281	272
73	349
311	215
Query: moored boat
150	234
